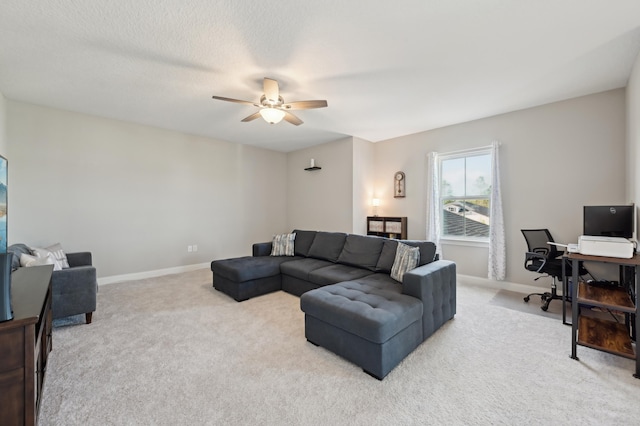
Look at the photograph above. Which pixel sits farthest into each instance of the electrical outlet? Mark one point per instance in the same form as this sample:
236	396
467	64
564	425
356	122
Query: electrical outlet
189	249
195	247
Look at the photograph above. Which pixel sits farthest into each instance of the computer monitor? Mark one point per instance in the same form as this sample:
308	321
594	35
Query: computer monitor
609	221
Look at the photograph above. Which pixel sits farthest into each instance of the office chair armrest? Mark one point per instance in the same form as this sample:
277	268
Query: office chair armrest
530	256
559	253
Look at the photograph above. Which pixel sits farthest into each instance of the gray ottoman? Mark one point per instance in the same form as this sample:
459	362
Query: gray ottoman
372	326
245	277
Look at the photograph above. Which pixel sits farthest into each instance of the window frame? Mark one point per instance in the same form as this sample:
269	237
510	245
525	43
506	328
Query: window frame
466	153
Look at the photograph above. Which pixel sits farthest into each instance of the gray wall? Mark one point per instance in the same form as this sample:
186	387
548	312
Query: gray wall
555	159
633	137
136	196
338	197
321	199
363	178
3	126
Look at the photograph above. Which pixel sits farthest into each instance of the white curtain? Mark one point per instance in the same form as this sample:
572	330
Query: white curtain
497	247
433	201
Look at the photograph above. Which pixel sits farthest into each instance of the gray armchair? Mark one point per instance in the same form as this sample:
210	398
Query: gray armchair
73	289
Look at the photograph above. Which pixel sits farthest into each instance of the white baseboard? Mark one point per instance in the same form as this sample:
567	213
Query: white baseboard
506	285
484	282
151	274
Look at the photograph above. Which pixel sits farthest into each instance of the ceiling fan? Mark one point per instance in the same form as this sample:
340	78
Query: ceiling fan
272	106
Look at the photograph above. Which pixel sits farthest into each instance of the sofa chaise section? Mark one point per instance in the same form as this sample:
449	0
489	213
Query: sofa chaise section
245	277
375	322
373	327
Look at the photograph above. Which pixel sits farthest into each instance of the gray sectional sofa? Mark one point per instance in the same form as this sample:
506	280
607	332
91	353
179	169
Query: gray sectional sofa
352	305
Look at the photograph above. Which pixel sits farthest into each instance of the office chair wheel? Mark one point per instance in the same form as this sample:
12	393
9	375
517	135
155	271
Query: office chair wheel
544	308
526	299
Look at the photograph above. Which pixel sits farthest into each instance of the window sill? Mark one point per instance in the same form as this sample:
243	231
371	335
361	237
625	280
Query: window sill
468	242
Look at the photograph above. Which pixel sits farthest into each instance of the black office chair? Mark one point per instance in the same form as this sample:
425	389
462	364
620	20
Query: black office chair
546	259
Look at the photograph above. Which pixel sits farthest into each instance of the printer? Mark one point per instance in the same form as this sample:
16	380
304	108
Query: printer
605	246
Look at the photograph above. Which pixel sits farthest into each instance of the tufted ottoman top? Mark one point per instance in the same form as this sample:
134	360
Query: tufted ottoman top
247	268
371	312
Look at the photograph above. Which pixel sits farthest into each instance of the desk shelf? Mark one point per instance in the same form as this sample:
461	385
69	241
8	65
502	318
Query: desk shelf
604	335
615	298
612	334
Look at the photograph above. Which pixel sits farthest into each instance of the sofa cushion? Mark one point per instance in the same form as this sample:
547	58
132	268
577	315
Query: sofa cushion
427	250
387	256
301	268
375	314
382	281
327	245
282	245
27	260
388	253
407	258
361	251
336	273
247	268
80	258
304	239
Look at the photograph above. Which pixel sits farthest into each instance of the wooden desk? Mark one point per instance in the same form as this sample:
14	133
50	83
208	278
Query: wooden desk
606	334
25	343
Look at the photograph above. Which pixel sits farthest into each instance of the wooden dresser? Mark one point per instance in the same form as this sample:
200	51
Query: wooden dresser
25	343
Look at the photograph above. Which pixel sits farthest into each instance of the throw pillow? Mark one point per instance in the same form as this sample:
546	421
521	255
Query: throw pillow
56	253
28	260
283	245
59	255
407	258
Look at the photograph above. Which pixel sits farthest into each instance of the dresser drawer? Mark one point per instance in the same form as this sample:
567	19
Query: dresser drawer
12	353
12	400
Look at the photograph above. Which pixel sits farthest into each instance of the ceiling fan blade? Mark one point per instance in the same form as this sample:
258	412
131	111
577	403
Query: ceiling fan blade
305	105
238	101
251	117
292	118
271	90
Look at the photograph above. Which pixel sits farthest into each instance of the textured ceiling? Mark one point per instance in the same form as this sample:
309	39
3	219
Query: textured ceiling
386	68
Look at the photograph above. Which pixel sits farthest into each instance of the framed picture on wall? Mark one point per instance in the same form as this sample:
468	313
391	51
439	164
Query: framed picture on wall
3	204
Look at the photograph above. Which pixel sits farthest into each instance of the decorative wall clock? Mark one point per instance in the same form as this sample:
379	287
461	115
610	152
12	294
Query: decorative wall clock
398	185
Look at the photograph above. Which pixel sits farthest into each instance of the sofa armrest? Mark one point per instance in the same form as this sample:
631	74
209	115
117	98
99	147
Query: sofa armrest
434	284
79	259
69	279
262	249
74	291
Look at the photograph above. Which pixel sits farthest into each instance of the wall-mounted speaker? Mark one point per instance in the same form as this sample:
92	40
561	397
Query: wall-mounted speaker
5	286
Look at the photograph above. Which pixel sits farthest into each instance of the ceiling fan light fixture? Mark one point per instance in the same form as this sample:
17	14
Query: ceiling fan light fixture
272	106
272	115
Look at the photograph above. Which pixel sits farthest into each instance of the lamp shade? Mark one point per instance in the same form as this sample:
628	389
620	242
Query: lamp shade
272	115
375	202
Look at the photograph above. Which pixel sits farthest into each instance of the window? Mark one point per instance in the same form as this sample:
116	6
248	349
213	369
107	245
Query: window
465	194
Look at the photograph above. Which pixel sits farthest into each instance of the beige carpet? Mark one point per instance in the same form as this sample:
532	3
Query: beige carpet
513	300
173	351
